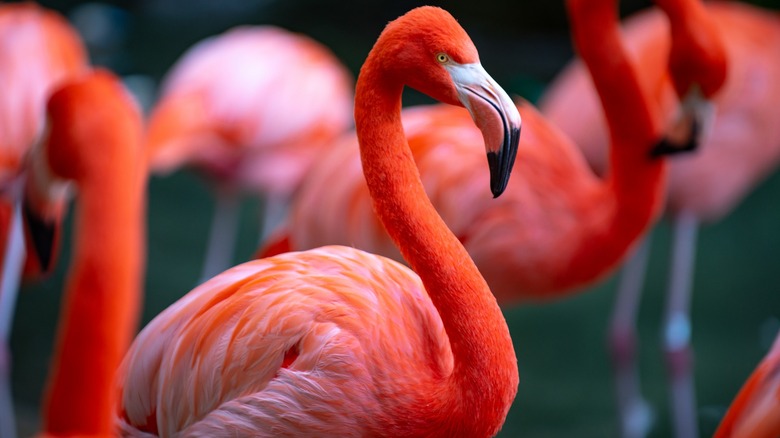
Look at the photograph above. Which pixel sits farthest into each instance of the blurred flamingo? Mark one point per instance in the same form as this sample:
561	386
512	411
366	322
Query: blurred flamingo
93	141
339	342
38	49
251	109
755	411
741	146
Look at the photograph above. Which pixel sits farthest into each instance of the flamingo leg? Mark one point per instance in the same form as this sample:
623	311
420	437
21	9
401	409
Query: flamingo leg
676	330
222	235
634	412
9	288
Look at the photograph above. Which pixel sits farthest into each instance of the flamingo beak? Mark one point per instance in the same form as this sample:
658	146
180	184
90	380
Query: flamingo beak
495	115
689	127
42	237
44	203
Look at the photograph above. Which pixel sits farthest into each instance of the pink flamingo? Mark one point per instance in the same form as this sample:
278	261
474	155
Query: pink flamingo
38	49
336	341
251	109
755	411
741	147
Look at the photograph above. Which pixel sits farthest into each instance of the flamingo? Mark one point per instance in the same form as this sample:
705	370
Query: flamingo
740	149
557	229
93	142
337	341
755	411
231	108
38	49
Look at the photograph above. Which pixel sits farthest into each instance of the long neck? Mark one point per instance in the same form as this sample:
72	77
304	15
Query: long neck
635	182
101	301
484	377
698	53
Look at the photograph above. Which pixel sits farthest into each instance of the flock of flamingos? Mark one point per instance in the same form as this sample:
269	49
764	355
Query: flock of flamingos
372	308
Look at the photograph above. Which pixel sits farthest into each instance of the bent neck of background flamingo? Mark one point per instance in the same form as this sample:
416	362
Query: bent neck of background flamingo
102	299
635	181
484	377
698	54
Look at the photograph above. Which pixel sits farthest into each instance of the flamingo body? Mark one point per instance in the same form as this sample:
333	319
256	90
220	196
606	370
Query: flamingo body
352	336
535	242
522	241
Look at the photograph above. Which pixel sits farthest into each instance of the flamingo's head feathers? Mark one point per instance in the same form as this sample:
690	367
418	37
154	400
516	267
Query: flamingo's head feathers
429	51
86	116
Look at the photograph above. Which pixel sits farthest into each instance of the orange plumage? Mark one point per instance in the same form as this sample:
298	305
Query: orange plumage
93	141
755	411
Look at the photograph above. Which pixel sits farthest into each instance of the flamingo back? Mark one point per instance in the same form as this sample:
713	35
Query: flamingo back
340	331
521	242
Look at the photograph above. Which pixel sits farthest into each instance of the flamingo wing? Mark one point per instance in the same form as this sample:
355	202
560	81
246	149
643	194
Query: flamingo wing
337	330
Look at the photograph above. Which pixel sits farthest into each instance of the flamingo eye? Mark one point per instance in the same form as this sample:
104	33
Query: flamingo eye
442	58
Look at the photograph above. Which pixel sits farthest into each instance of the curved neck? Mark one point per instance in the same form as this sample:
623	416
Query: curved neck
628	109
698	54
635	182
484	377
101	302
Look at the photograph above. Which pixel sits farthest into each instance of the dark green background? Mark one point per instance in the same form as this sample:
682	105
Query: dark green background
565	388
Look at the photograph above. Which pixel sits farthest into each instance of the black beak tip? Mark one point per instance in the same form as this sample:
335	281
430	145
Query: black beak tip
43	236
666	146
502	162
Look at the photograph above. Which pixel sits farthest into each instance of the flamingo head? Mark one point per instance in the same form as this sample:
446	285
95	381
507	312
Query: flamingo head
429	51
698	68
84	117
